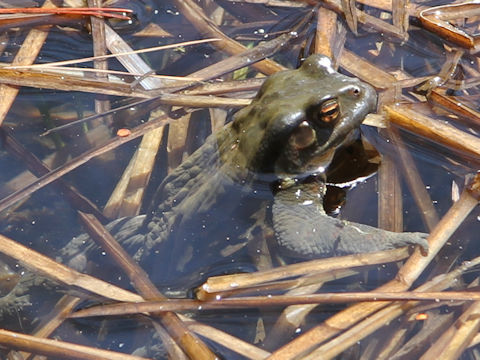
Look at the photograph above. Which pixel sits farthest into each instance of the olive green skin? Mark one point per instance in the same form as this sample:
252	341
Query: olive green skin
251	179
260	132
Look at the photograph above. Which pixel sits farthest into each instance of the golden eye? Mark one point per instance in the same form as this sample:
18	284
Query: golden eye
329	110
303	136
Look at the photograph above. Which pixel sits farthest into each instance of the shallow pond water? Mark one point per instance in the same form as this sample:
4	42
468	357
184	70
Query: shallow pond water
415	74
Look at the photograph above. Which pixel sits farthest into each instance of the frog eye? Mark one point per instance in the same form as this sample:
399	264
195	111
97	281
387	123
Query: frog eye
303	136
329	110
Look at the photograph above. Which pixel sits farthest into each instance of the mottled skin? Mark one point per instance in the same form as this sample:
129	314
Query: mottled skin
273	156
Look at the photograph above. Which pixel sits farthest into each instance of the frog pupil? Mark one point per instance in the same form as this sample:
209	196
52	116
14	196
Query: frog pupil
329	110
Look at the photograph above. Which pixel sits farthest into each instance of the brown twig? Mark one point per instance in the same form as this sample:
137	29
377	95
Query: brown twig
436	131
59	349
238	281
270	301
89	11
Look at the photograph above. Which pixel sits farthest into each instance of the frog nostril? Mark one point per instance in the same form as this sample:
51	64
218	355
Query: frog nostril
355	91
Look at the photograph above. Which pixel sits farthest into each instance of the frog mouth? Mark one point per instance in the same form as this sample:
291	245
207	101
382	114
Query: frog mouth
318	163
315	167
287	183
340	135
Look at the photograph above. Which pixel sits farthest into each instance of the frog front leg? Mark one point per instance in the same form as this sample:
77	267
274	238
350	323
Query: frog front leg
303	229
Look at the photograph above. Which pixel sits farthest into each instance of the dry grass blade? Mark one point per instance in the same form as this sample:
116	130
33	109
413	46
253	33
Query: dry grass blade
387	5
400	15
326	32
405	277
291	318
366	71
133	62
58	315
189	343
59	349
128	194
54	80
60	273
238	61
73	164
390	204
25	56
197	17
297	283
243	59
350	12
65	82
415	183
99	48
205	89
379	319
38	168
238	281
19	17
454	341
369	20
176	142
438	20
455	105
115	55
373	22
437	131
226	87
270	301
92	11
241	347
69	70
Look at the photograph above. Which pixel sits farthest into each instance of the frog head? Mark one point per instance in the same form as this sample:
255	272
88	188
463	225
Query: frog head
298	119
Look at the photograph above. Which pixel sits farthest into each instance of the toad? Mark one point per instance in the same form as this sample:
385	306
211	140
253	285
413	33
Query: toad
265	169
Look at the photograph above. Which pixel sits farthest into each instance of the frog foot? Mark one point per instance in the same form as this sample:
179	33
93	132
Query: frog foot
410	238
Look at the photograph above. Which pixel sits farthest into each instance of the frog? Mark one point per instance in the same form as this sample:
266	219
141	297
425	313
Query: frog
263	173
265	169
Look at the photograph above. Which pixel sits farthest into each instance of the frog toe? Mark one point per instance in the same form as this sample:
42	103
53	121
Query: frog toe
422	242
414	238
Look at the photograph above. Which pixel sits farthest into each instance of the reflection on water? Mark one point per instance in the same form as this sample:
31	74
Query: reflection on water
46	221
